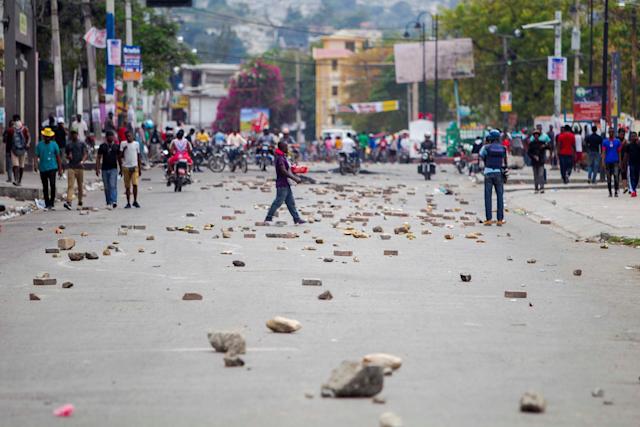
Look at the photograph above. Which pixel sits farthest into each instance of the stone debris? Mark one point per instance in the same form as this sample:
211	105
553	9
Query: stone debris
515	294
385	236
354	379
34	297
342	253
604	246
465	277
545	221
139	227
389	419
106	252
91	255
309	395
190	214
390	252
403	229
311	282
379	400
327	259
249	235
281	248
577	272
597	392
76	256
52	251
377	229
191	296
382	359
326	295
84	234
448	236
233	361
237	263
44	279
531	261
140	250
151	237
66	243
229	342
67	285
532	401
283	325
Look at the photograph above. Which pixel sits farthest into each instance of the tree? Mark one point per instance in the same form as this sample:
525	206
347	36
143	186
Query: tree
258	85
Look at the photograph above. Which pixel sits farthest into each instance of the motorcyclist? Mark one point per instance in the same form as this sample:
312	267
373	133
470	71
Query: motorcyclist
427	143
349	147
180	149
266	138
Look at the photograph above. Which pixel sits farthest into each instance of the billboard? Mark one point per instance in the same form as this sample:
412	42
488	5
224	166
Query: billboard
557	68
505	102
131	63
587	103
253	119
114	52
375	107
23	21
455	60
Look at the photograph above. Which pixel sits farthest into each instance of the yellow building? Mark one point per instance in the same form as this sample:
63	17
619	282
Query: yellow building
332	59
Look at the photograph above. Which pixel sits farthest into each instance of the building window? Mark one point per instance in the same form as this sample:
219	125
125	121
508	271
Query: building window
334	90
333	119
334	65
350	46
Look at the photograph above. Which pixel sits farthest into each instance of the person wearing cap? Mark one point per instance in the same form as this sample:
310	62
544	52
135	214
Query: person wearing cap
61	134
537	153
48	162
76	153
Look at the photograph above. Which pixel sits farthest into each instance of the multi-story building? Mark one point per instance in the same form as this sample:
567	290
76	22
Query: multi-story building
331	79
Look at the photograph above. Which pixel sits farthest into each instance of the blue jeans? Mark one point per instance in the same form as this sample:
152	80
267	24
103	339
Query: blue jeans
492	180
110	181
594	166
283	195
566	164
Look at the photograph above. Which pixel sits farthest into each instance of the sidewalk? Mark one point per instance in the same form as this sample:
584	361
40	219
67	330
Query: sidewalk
583	213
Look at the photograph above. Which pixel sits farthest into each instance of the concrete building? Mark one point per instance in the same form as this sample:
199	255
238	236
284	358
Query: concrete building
331	80
204	85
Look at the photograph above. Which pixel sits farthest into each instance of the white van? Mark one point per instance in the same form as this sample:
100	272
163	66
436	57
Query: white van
333	133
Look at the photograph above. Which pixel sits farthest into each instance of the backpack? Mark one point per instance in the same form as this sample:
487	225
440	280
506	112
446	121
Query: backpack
19	145
495	156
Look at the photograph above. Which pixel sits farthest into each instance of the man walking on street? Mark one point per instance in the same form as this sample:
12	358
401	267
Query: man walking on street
108	157
48	155
494	156
566	152
632	157
130	167
611	159
593	145
537	153
76	156
551	140
81	128
7	146
283	189
20	143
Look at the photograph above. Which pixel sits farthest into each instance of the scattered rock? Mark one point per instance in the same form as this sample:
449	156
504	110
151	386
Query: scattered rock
76	256
67	285
597	392
106	252
44	280
545	221
326	295
311	282
327	259
389	419
249	235
190	214
532	402
91	255
385	236
577	272
354	379
84	234
319	241
379	400
390	252
448	236
52	251
151	237
465	277
238	263
309	395
283	325
531	261
139	227
515	294
382	359
377	229
233	361
342	253
34	297
509	258
227	342
604	246
191	296
140	250
66	243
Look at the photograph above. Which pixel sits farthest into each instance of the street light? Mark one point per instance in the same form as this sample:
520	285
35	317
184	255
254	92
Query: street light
516	34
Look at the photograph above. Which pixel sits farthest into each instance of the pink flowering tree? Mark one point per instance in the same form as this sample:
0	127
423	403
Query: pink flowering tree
257	85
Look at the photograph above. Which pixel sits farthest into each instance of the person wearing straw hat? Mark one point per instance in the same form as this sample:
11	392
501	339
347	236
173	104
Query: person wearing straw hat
48	156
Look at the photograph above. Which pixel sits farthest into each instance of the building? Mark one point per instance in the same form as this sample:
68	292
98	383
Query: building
204	85
331	80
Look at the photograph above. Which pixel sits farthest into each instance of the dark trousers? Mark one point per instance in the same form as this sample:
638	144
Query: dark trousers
492	180
634	176
48	179
538	177
613	170
9	166
283	195
566	164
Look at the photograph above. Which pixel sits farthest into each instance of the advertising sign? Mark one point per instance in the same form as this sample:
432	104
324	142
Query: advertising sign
374	107
505	102
96	38
131	63
455	60
114	52
23	23
557	68
253	119
587	103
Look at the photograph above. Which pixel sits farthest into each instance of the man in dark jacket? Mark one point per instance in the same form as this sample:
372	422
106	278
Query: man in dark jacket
537	152
283	189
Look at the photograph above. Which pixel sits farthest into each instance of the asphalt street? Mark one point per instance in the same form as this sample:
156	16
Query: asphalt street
124	348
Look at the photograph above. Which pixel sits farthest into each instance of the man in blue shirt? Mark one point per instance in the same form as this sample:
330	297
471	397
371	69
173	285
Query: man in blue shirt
494	156
48	155
611	159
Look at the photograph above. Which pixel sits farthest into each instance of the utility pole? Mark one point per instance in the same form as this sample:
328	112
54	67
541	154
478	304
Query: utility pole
634	55
505	78
590	42
298	113
129	42
557	84
605	65
575	45
57	60
434	18
111	33
3	125
91	66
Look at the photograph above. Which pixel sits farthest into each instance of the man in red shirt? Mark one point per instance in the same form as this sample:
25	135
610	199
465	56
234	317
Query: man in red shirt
566	152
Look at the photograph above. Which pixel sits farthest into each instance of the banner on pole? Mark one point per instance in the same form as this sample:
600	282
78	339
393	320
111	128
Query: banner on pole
96	38
557	68
375	107
587	103
131	63
614	94
114	52
505	102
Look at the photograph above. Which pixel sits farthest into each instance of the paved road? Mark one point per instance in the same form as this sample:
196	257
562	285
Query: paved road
124	348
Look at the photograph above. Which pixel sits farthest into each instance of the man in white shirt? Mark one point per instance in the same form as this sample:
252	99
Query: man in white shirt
80	126
348	145
130	167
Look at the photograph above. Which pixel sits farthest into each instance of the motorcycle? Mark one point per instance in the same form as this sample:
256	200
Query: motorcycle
349	163
200	155
427	166
264	157
180	176
222	158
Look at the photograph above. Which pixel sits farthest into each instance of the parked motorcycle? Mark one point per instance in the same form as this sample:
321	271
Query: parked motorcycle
200	156
349	163
427	166
222	158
